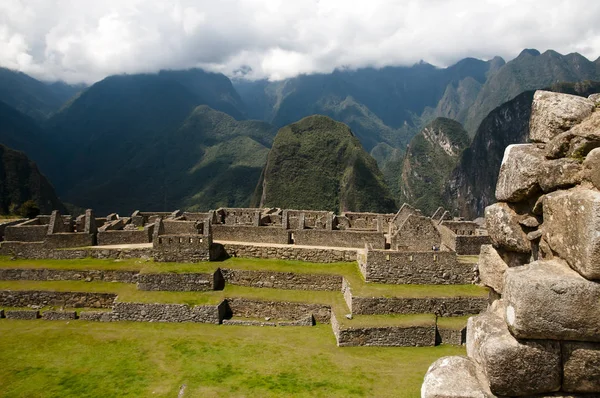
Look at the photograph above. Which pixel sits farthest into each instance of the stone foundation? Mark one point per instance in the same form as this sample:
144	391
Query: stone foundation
282	280
441	306
26	298
45	274
278	310
290	253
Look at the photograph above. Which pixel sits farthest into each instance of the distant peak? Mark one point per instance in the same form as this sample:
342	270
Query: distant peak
530	51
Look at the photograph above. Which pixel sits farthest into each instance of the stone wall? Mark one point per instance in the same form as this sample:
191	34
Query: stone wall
59	315
125	237
25	298
290	253
250	234
278	310
178	282
9	223
416	233
461	227
176	227
25	233
282	280
451	336
471	245
355	239
541	334
22	314
423	268
384	336
441	306
147	312
37	250
69	239
182	248
44	274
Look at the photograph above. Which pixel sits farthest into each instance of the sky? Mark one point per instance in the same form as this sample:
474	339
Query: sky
87	40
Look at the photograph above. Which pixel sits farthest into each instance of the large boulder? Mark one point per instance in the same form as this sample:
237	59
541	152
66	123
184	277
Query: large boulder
503	227
560	173
591	167
491	268
518	178
554	113
454	377
548	300
513	367
581	367
571	225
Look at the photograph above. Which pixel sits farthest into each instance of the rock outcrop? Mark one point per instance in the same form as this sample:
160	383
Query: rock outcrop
540	335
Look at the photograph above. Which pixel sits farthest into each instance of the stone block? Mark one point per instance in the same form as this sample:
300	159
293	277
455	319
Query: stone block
581	367
591	167
22	314
554	113
513	367
455	377
571	225
518	178
558	146
548	300
560	173
491	268
595	98
504	229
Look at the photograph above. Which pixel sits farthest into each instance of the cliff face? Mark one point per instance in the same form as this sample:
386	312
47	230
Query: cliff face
20	181
470	187
318	164
430	157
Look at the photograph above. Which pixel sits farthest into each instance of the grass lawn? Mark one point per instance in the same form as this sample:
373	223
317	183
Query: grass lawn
349	270
126	359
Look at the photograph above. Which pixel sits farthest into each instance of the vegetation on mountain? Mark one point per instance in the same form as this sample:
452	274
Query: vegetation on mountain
318	164
30	96
429	159
23	187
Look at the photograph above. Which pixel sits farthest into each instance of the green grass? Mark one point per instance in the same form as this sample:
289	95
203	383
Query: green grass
387	320
123	359
349	270
453	322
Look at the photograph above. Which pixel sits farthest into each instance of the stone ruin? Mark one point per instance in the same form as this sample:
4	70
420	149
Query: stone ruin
540	335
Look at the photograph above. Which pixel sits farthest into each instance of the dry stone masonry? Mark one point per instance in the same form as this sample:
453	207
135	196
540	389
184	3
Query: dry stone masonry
540	336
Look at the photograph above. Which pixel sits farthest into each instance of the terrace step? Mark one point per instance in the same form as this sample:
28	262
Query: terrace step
241	321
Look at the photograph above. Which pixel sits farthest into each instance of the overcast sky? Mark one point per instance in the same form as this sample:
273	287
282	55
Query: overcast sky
86	40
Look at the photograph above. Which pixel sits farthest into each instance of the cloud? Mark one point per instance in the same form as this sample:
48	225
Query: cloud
75	40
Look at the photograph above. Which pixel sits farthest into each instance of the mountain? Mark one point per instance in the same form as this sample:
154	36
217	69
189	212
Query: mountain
20	181
529	71
318	164
472	184
429	159
380	105
32	97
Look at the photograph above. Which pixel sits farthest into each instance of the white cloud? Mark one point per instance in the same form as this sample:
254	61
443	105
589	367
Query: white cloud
85	40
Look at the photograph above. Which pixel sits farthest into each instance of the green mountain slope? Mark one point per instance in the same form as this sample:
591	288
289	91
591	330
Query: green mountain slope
318	164
20	181
429	159
30	96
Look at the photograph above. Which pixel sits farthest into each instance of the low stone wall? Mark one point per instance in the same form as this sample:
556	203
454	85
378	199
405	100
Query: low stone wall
37	250
356	239
451	336
147	312
278	310
125	237
290	253
306	321
44	274
96	316
176	282
26	233
25	298
183	248
422	268
10	223
22	314
68	239
282	280
385	336
471	245
441	306
243	233
59	315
